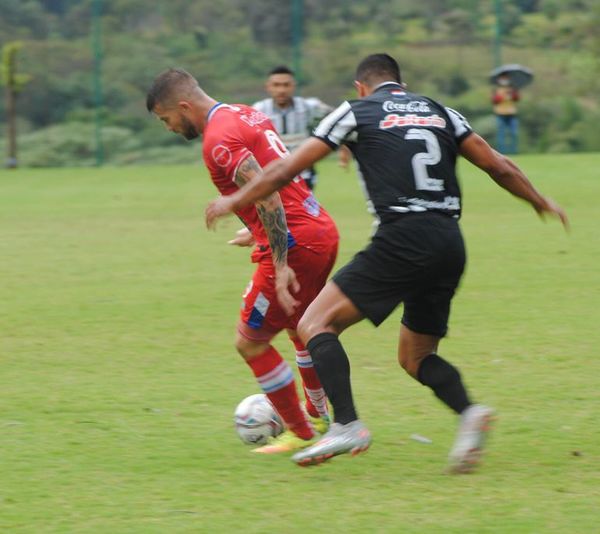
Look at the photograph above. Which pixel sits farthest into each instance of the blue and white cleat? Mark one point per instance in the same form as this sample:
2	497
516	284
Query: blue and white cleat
475	424
352	438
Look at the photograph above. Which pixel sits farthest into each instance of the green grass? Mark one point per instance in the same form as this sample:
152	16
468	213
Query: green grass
118	378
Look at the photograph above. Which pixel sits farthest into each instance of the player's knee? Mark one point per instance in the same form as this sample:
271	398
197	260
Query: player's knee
303	330
241	345
405	362
308	327
249	349
410	361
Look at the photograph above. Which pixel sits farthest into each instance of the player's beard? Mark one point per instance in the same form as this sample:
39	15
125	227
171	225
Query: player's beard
189	130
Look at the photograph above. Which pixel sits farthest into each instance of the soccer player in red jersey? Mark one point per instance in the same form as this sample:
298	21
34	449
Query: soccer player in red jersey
296	243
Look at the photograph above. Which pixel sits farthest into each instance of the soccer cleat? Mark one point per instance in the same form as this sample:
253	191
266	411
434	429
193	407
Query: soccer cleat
476	422
320	424
352	438
286	442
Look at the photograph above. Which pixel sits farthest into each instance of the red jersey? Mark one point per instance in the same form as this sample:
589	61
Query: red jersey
232	134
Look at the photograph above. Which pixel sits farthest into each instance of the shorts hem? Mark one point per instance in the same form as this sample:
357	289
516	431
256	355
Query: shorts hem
425	331
376	321
257	335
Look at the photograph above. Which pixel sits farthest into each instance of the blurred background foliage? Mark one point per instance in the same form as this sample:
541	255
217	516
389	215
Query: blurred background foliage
444	48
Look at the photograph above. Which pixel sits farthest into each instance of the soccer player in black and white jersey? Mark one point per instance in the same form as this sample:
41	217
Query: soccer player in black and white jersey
406	146
292	115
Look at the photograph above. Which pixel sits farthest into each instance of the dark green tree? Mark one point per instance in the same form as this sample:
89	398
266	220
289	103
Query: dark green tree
13	83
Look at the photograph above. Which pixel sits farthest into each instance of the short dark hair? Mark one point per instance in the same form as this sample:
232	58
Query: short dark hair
167	85
281	69
376	68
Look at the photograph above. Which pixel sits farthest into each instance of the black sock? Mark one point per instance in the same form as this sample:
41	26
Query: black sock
333	369
444	379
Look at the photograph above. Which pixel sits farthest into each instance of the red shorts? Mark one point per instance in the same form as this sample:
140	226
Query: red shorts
261	317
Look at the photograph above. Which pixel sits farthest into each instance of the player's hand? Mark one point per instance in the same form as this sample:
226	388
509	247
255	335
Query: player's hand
344	157
285	278
216	209
243	238
549	207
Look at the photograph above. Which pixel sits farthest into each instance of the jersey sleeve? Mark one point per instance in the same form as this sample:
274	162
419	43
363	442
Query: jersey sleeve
462	128
337	126
317	107
260	106
225	157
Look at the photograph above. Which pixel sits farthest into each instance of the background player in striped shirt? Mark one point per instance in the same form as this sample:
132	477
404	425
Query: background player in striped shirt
288	228
293	116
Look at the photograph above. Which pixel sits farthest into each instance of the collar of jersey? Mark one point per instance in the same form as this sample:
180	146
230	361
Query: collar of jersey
283	111
213	110
384	84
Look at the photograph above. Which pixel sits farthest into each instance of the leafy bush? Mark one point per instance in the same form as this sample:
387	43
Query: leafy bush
71	144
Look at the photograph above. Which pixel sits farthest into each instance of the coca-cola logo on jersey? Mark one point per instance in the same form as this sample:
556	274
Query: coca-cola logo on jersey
221	155
416	106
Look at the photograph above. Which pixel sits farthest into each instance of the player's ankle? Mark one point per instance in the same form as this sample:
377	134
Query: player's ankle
311	410
304	432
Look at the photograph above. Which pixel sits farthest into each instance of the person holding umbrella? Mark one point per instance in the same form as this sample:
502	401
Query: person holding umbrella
508	80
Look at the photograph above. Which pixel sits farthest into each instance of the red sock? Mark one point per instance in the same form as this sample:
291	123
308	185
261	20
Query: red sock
276	379
316	401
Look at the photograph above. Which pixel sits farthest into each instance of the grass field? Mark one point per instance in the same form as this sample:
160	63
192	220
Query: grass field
118	379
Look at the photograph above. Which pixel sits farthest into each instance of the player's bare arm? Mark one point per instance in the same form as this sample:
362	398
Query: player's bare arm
272	215
270	210
274	176
508	175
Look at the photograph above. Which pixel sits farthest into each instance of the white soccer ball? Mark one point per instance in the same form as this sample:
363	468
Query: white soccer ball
256	420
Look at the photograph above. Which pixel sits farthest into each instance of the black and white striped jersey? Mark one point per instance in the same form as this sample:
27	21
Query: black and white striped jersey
294	123
406	147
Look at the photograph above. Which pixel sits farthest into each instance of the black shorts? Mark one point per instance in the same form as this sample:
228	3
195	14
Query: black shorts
417	259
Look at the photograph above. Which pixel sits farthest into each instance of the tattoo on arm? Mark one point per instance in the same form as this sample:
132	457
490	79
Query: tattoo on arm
270	210
248	169
276	227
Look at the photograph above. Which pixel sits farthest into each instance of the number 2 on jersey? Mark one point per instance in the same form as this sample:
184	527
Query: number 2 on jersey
421	160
